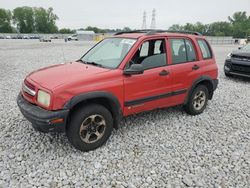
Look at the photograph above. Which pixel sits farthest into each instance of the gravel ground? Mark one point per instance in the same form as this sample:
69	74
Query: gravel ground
162	148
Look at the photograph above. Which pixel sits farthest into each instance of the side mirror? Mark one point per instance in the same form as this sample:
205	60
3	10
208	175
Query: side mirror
134	69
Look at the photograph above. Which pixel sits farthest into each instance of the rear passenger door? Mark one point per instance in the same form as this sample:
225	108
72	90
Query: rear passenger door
184	67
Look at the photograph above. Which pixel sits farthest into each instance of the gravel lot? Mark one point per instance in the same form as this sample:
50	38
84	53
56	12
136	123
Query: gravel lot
162	148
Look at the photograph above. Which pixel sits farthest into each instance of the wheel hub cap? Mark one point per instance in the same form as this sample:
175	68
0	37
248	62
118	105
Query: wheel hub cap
92	128
199	100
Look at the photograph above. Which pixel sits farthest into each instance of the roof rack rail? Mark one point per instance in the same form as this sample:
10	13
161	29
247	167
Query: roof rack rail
153	31
185	32
134	31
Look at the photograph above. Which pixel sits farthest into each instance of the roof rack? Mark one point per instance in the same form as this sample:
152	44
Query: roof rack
153	31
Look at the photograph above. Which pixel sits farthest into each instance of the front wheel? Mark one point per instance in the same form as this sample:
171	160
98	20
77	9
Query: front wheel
90	127
197	101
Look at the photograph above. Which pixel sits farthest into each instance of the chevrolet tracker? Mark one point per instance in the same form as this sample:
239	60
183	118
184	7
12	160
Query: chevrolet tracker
128	73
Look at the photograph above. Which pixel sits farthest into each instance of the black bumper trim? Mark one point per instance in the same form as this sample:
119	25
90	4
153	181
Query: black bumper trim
238	74
215	84
41	118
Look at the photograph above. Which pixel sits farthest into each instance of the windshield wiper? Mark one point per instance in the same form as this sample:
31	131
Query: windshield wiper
80	60
93	63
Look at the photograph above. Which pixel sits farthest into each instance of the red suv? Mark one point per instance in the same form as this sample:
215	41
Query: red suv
128	73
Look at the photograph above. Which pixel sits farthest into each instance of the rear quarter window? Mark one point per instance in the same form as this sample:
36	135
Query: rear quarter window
205	49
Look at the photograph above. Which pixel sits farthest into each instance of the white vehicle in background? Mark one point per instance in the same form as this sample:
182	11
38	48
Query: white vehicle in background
72	37
25	37
45	39
8	37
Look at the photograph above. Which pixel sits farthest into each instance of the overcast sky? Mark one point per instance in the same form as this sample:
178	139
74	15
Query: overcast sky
120	13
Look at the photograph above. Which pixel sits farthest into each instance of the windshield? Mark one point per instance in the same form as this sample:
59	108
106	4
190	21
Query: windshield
109	53
247	47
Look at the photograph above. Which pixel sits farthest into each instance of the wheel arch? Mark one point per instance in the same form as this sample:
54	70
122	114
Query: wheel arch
205	80
106	99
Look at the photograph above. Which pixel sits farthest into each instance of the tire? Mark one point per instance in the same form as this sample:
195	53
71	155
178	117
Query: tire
89	127
199	96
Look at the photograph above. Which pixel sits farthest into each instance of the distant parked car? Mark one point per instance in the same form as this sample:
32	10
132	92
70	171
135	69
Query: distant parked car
25	37
34	37
238	62
8	37
72	37
54	37
1	37
45	39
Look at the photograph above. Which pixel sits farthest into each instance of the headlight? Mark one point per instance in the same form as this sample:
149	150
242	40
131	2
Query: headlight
43	98
229	56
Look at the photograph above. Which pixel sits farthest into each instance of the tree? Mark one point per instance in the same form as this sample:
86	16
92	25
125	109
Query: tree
238	26
126	29
66	31
45	20
95	29
220	29
176	27
5	21
240	23
23	17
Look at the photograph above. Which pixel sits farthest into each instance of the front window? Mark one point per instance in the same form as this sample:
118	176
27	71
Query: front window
109	53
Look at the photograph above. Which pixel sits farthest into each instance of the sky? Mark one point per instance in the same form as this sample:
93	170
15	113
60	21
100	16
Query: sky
77	14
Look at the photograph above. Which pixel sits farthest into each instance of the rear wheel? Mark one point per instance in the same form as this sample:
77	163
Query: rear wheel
197	101
90	127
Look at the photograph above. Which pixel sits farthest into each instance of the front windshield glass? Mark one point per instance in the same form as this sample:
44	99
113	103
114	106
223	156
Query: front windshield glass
247	47
109	53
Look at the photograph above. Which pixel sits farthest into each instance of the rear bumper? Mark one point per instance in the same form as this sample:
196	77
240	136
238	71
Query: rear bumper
41	118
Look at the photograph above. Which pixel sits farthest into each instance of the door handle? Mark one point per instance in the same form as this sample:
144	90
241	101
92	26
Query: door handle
164	73
195	67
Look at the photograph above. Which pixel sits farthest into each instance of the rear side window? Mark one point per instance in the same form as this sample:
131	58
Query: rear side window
182	51
205	50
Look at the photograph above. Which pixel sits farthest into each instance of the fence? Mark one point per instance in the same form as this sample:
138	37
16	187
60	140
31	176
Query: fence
220	40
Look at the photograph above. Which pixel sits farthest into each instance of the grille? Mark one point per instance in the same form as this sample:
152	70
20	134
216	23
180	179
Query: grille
29	89
241	68
241	58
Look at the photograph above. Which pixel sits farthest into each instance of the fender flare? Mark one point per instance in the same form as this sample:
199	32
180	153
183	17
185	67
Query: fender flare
113	102
197	82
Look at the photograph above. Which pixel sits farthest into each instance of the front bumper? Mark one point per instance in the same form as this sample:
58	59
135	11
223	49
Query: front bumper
41	118
238	69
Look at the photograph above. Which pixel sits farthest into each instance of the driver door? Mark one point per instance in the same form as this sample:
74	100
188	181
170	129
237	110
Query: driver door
149	90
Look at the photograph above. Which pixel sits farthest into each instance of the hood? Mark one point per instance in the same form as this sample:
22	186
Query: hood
54	76
245	53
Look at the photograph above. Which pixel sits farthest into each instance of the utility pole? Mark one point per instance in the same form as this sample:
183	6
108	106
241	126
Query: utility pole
144	22
153	22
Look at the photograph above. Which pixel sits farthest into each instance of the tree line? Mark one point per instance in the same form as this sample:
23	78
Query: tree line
39	20
238	26
28	20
